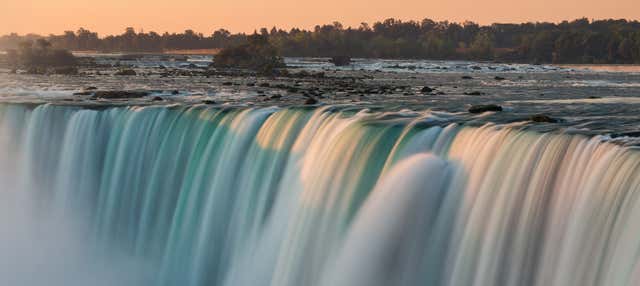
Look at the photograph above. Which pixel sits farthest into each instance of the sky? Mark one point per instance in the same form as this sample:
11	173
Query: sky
109	17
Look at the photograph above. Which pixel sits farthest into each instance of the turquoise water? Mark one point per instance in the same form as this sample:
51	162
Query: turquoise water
289	196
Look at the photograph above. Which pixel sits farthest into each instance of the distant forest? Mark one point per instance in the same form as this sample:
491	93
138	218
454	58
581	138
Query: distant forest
578	41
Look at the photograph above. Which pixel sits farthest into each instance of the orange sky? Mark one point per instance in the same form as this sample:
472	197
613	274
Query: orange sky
112	16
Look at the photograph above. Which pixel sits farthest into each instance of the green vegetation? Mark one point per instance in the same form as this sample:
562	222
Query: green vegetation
39	57
257	54
578	41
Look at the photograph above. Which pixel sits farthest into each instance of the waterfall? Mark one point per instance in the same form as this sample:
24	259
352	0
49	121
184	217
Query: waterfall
197	195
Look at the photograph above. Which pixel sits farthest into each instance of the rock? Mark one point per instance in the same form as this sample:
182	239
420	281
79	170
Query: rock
485	108
311	101
227	83
426	89
302	73
476	68
157	98
340	60
83	93
251	84
543	118
440	93
474	93
208	101
275	96
127	72
66	70
264	84
175	92
90	88
318	75
466	77
119	94
499	78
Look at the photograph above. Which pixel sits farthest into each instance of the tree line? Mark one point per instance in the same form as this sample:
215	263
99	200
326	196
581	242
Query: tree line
578	41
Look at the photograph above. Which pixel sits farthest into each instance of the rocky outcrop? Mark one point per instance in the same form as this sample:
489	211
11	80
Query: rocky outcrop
485	108
340	60
119	94
543	118
126	72
426	89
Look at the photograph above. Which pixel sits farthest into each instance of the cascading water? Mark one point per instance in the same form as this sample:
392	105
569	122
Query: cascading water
266	196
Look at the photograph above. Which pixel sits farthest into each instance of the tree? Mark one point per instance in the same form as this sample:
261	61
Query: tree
579	41
482	46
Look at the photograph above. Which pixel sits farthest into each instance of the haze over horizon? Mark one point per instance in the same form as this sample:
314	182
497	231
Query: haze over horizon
107	18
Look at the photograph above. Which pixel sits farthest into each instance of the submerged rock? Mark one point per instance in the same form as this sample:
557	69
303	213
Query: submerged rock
119	94
474	93
65	70
498	78
466	77
124	72
543	118
485	108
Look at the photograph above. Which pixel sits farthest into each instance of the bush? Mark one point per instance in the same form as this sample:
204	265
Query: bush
257	54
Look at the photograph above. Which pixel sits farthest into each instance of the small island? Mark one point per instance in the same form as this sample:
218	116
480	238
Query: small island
38	57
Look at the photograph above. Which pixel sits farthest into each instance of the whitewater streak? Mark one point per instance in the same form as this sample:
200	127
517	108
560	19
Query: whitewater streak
328	197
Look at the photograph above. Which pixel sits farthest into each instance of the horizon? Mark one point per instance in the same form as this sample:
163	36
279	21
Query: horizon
245	16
